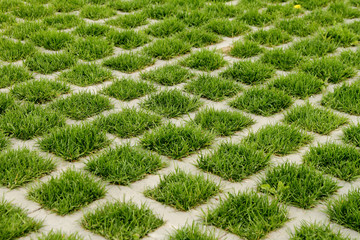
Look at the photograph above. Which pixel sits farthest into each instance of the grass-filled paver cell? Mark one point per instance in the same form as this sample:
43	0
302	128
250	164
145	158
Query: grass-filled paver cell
192	232
352	134
47	63
204	60
167	75
52	235
128	62
309	230
11	74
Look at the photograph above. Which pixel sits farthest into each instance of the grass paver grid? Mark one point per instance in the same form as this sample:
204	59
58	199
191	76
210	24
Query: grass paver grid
179	102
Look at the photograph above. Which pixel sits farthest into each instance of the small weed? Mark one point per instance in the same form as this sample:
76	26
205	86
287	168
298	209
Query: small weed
96	12
11	74
228	28
91	30
128	62
272	37
47	63
198	37
12	51
62	21
132	20
167	48
165	28
282	59
127	39
167	75
91	48
205	60
245	49
51	39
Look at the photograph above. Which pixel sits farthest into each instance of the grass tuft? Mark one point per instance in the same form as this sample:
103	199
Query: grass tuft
91	30
52	235
165	28
167	48
272	37
127	39
51	39
245	49
282	59
228	28
91	48
352	135
204	60
198	37
316	231
11	74
12	51
62	21
128	62
127	21
47	63
96	12
168	75
6	101
192	232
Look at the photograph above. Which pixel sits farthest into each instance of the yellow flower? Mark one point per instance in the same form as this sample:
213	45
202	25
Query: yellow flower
298	6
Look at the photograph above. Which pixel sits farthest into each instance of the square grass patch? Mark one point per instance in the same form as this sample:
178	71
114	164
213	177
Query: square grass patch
204	60
226	27
20	166
234	162
14	221
91	30
128	21
67	192
79	106
278	139
272	37
198	37
262	101
298	26
86	75
167	48
121	220
11	74
351	58
128	62
130	122
314	47
124	164
192	232
317	231
352	134
253	17
127	89
213	88
52	235
96	12
33	11
245	49
165	28
341	36
39	91
315	119
282	59
62	21
247	215
171	103
12	51
222	122
6	101
183	191
68	6
91	48
299	185
176	142
168	75
23	30
46	63
28	120
52	39
249	72
127	39
339	160
299	84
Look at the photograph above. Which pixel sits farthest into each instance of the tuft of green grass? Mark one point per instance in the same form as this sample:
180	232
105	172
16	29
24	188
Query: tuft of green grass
198	37
62	21
132	20
283	10
160	11
20	166
167	48
323	17
341	36
68	5
168	75
91	30
282	59
127	39
204	60
226	27
47	63
195	17
23	30
271	37
192	232
352	135
245	49
339	160
351	58
91	48
52	235
130	122
68	192
6	20
176	142
39	91
10	5
312	4
315	47
221	9
299	84
165	28
329	69
128	62
127	89
127	6
343	9
316	231
214	88
73	142
298	26
354	26
171	103
11	74
299	185
6	101
255	18
311	118
82	105
112	220
234	162
222	122
249	72
86	74
278	139
247	215
96	12
51	39
183	191
262	101
124	164
12	51
33	11
14	221
29	120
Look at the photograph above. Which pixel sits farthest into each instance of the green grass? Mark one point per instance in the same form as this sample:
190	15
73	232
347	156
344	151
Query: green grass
323	17
73	142
91	30
86	74
14	221
221	9
121	220
271	37
198	37
127	6
283	10
171	103
91	48
353	26
351	58
12	51
52	235
160	11
47	63
254	18
228	28
96	12
233	162
247	215
20	166
262	101
195	17
344	98
192	232
23	30
6	20
222	122
299	185
278	139
168	75
124	164
165	28
167	48
282	59
316	231
128	62
214	88
249	72
6	101
329	69
127	21
51	39
299	84
68	5
39	91
127	39
10	5
127	89
62	21
312	4
343	9
245	49
298	26
339	160
341	36
130	122
82	105
28	120
204	60
352	135
67	192
176	142
315	119
11	74
183	191
33	11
